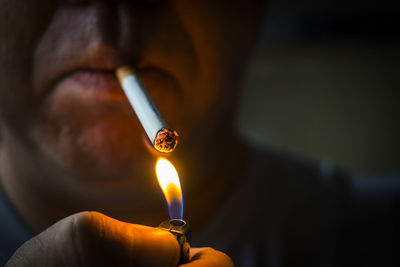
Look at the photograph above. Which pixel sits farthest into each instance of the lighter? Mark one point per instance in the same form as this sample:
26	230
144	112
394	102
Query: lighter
181	230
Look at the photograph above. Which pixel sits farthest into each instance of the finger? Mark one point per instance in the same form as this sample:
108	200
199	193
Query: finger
93	239
208	257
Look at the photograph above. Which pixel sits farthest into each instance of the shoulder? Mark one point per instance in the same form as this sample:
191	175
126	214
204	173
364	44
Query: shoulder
316	214
300	205
297	176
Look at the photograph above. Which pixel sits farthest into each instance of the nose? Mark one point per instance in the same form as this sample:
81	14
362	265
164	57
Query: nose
100	34
123	24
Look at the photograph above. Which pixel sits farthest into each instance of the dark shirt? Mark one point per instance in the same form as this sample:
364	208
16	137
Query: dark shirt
287	212
13	233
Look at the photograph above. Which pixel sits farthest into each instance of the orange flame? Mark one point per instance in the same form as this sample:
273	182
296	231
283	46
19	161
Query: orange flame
168	180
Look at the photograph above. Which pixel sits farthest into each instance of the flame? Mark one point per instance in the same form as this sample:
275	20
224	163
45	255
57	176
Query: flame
169	182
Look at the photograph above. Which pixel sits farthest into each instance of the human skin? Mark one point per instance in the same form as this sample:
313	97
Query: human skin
93	239
69	139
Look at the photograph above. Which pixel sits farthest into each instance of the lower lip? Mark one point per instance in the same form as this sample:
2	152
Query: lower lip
93	84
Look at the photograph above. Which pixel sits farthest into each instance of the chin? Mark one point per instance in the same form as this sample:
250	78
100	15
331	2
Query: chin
112	147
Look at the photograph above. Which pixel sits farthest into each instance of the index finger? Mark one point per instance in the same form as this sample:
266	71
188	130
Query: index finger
93	239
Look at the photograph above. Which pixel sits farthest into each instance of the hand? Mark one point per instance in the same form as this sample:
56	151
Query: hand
93	239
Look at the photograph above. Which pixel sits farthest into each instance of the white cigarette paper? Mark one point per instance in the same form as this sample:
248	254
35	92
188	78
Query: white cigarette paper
162	138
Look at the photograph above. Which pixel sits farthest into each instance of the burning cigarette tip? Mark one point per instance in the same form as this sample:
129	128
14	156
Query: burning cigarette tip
166	140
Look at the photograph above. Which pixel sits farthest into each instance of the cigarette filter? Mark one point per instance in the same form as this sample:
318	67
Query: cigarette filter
160	135
181	230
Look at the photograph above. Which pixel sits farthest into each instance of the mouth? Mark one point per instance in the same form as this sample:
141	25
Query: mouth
86	81
93	84
98	84
90	70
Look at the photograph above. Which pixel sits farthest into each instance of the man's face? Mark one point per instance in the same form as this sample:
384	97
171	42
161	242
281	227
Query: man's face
60	101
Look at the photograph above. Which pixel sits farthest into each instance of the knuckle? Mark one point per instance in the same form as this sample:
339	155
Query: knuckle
85	218
86	223
87	226
83	230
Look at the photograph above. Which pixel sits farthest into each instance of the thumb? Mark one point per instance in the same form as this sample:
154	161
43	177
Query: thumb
93	239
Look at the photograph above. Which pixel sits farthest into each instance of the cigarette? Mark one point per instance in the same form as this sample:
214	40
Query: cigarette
181	230
157	130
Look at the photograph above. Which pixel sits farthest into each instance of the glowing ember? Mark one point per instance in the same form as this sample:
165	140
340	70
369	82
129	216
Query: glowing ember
166	140
169	182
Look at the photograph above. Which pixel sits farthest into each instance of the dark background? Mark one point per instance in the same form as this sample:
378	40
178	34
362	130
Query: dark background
324	84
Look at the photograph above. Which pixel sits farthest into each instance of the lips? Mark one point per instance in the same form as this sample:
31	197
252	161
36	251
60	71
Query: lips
92	69
97	84
90	72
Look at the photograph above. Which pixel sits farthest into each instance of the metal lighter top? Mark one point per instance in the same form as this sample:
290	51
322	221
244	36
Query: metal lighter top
181	230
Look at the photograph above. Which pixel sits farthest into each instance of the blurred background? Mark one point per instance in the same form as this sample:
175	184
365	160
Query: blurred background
324	84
